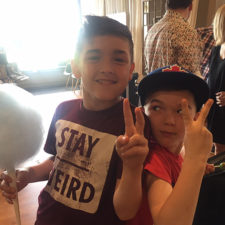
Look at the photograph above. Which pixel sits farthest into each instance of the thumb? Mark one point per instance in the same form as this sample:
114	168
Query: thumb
121	141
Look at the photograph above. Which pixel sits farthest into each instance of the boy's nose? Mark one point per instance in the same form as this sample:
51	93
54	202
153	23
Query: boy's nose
106	66
170	118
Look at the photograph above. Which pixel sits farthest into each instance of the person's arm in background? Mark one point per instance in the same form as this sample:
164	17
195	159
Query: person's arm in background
133	149
25	176
176	206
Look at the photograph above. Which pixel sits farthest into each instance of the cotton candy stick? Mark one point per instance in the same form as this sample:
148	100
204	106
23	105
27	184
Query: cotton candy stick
12	174
21	131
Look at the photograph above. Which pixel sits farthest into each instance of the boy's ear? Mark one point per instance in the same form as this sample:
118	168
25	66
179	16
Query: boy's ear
131	71
75	69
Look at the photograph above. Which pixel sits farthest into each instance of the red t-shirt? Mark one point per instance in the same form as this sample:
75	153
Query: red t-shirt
164	165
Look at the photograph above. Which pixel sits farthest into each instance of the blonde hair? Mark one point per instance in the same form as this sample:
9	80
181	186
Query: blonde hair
219	25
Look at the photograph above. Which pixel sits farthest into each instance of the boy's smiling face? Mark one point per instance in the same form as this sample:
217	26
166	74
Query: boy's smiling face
164	110
105	68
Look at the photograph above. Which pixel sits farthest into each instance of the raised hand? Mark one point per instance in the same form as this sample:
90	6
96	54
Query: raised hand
132	147
198	139
220	98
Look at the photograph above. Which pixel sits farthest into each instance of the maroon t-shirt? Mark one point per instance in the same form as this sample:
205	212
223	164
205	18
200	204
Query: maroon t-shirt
86	167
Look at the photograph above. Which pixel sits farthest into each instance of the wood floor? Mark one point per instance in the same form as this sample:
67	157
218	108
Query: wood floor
28	200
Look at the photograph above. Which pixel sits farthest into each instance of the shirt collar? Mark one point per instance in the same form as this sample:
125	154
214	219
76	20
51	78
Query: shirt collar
175	14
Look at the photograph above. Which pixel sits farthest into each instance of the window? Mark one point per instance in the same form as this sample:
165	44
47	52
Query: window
121	17
39	34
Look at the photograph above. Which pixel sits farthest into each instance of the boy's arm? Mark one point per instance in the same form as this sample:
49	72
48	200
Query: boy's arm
133	149
128	194
175	206
41	171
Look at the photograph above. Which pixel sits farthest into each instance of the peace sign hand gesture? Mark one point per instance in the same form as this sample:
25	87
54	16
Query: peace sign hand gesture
132	147
198	139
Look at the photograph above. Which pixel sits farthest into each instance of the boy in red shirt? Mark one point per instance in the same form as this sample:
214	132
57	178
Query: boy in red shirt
172	98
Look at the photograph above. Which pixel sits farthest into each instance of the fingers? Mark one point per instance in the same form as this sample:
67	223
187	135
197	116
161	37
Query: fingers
210	168
202	116
9	196
140	121
221	93
135	141
205	111
185	113
130	128
220	100
121	141
5	187
8	192
128	119
4	176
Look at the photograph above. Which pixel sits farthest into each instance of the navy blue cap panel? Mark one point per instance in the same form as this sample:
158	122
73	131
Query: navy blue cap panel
177	78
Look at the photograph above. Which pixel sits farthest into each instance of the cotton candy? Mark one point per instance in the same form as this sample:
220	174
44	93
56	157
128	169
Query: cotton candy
21	127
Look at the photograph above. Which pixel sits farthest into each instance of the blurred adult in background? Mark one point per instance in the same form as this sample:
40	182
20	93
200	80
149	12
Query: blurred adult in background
206	34
172	40
216	82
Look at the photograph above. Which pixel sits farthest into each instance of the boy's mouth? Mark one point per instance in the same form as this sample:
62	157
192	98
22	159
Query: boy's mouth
167	133
105	81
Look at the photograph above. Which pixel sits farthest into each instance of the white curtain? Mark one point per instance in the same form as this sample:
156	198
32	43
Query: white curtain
115	6
193	17
92	7
136	27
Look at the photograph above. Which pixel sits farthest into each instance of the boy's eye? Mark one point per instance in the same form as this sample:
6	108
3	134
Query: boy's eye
119	60
93	58
179	111
155	108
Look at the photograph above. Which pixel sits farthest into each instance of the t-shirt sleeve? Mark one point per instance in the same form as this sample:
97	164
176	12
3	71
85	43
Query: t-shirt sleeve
157	165
49	146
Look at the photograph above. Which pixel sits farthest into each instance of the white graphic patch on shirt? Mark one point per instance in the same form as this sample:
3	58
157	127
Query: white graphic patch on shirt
81	166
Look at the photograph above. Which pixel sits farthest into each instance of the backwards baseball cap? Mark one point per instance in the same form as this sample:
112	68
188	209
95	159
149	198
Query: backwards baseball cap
174	78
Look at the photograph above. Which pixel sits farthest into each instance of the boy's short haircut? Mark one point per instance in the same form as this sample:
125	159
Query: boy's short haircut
101	25
178	4
173	78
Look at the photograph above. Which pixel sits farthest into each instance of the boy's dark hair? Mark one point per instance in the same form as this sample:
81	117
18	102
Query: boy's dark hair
101	25
178	4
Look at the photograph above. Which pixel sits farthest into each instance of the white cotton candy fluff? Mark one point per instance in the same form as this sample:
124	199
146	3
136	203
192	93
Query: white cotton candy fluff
21	127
